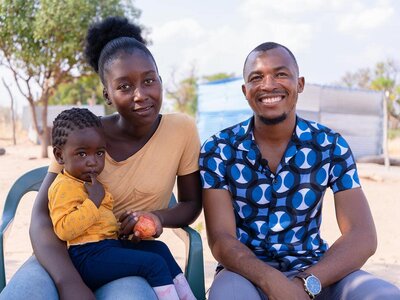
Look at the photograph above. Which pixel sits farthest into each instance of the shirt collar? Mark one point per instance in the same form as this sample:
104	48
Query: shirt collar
243	133
243	139
71	177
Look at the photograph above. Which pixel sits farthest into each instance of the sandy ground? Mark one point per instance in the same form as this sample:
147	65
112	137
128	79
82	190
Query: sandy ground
380	185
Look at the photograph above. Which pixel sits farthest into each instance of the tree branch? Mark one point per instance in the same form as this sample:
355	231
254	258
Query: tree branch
18	77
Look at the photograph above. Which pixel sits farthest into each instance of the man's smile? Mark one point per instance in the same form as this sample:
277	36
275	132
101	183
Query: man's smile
271	100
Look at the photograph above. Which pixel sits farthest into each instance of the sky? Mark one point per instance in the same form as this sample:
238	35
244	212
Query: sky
328	38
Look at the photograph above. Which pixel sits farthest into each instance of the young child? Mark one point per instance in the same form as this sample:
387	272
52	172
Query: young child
81	212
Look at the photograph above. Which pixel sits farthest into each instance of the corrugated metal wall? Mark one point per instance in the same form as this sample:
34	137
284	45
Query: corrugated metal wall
356	114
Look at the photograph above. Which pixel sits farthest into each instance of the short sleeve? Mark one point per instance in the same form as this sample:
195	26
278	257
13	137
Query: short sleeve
189	161
212	165
343	173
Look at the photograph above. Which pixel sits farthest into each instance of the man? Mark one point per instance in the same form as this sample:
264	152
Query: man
263	185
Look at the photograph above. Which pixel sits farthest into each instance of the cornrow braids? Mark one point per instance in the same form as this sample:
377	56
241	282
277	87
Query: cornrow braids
70	120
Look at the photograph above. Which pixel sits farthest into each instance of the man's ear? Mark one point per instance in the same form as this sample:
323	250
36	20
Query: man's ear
244	90
300	84
58	155
105	96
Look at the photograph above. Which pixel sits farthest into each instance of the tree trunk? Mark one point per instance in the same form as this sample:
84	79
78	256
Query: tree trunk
35	122
44	139
43	132
12	111
13	122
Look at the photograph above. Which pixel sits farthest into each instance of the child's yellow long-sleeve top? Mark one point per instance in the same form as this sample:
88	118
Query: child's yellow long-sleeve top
76	219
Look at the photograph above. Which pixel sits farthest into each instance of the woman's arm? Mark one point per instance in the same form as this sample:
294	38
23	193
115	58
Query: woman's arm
51	252
189	203
184	213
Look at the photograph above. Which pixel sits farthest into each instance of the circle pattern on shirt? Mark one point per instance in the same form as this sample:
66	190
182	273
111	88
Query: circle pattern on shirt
280	212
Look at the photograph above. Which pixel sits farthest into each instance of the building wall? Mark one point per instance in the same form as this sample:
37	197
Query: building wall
356	114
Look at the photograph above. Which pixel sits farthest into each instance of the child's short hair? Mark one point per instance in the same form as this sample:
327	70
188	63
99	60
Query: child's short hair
69	120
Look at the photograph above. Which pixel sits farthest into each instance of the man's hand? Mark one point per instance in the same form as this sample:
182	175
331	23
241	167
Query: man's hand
128	221
95	190
283	288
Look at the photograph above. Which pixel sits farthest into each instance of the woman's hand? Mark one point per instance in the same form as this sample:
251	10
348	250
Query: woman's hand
129	219
76	290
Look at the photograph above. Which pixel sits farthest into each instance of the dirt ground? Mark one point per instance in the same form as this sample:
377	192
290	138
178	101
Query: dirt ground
381	186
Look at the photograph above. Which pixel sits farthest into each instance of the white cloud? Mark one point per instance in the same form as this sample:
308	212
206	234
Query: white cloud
352	16
224	48
374	53
296	36
365	18
181	28
256	8
310	28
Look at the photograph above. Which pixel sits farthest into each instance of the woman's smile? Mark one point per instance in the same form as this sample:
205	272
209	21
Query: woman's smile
142	109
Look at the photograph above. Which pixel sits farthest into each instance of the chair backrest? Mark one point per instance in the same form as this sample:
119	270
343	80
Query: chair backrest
28	182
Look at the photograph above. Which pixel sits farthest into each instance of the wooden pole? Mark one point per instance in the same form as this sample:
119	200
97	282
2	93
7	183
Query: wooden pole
385	130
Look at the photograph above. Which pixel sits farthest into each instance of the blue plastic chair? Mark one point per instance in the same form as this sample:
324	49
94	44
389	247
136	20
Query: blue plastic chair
194	267
31	181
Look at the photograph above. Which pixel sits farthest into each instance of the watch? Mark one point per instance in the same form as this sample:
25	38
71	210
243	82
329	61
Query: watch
312	285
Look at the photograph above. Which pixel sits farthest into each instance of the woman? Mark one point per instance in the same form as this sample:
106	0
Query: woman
146	153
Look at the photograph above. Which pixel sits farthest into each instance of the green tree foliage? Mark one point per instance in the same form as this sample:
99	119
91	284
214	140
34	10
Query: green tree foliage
85	89
41	42
384	77
218	76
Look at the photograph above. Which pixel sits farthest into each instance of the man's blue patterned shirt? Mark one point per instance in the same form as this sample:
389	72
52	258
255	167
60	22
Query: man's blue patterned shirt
278	216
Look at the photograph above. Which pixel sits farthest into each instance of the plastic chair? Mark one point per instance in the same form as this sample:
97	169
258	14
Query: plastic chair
194	267
31	181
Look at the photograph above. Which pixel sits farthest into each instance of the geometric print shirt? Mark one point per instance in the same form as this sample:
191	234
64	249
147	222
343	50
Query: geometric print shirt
278	216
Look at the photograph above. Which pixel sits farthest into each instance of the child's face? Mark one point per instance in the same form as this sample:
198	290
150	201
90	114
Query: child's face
84	153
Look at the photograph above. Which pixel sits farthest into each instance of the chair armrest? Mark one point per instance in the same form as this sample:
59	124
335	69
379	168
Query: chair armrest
28	182
194	267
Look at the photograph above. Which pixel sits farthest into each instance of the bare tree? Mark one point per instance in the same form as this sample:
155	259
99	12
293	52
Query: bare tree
12	111
184	92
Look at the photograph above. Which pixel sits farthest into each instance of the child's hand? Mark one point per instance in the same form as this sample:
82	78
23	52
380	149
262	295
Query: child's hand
145	227
95	190
129	219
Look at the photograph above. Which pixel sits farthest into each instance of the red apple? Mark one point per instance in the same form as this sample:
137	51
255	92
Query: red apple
145	226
